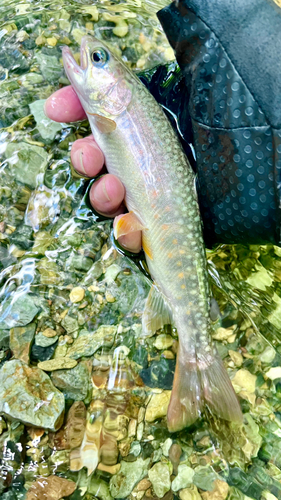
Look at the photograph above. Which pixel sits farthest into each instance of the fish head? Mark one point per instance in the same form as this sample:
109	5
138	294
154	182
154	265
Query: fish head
103	83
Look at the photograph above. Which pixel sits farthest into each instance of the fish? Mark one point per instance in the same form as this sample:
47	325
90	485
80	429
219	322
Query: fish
142	149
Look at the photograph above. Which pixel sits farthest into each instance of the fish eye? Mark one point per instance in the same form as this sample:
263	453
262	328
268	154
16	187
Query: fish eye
99	57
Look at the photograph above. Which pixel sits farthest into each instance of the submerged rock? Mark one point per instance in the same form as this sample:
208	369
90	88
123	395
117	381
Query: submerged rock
99	488
220	492
42	208
50	488
4	339
26	162
74	383
17	311
27	394
47	128
20	341
159	374
130	473
184	477
39	353
159	476
44	341
50	67
191	493
89	342
57	364
75	424
157	406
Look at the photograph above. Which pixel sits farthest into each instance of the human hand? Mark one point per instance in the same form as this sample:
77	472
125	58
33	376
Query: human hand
107	193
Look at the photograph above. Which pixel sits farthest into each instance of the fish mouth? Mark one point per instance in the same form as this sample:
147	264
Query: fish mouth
75	73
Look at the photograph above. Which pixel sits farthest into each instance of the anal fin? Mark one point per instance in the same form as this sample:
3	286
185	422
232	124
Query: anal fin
157	312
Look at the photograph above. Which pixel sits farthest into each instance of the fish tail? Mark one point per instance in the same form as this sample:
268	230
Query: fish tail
199	382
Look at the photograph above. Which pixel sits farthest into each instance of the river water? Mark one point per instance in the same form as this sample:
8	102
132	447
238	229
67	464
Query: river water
83	395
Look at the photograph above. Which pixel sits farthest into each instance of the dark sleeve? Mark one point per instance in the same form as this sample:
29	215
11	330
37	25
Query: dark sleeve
229	54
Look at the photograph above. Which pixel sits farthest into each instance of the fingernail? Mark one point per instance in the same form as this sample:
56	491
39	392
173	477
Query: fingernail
78	161
100	192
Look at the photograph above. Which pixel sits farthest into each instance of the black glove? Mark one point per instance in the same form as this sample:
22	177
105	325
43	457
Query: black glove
230	56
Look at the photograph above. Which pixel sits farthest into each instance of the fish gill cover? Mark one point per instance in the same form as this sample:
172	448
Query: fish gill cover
83	397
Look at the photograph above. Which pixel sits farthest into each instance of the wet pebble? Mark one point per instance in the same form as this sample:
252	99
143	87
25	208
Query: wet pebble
191	493
89	342
57	364
184	477
39	353
49	332
245	380
236	357
159	374
44	341
74	382
130	473
220	491
157	406
24	391
77	294
159	475
50	488
20	341
163	341
174	455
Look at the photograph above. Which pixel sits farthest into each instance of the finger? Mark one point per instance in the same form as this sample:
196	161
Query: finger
86	157
107	195
64	106
131	241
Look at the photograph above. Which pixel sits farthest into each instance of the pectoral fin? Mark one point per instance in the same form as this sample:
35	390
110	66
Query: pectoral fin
157	312
127	223
105	125
146	245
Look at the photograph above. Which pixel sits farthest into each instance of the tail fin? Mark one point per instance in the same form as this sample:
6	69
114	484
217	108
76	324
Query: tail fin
200	382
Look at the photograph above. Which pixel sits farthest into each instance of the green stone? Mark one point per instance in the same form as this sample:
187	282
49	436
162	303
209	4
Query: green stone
184	477
159	475
17	311
47	128
50	67
74	383
4	339
44	341
22	237
204	477
28	395
98	488
57	364
130	473
26	162
70	324
42	241
89	342
80	262
21	338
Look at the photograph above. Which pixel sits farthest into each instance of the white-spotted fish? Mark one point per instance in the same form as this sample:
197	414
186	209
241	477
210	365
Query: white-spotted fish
143	151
